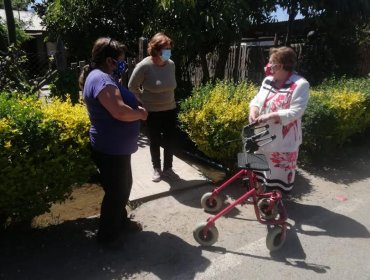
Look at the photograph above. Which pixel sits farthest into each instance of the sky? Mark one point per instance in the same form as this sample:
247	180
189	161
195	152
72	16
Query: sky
282	15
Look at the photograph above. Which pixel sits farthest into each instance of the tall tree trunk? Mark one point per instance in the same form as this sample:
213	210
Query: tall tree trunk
204	64
223	54
292	11
10	21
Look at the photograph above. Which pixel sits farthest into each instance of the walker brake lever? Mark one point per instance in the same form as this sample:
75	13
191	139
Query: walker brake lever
268	138
247	130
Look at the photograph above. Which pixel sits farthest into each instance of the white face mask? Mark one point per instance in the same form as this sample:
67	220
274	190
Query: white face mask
166	54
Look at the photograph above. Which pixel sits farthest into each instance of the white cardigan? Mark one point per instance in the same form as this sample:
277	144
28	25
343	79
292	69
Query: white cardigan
298	103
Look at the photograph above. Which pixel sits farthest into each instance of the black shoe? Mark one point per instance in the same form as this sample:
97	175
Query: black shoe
110	241
131	226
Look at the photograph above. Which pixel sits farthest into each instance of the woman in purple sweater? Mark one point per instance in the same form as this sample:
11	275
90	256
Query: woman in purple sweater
115	119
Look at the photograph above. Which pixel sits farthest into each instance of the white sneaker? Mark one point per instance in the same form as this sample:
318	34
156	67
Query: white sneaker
156	175
170	174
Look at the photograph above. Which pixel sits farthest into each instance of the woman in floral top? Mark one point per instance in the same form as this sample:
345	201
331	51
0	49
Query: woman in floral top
281	102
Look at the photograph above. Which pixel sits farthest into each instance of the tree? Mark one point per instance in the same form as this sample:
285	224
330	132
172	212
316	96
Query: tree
79	23
21	5
197	27
339	22
348	10
10	21
335	34
21	35
207	26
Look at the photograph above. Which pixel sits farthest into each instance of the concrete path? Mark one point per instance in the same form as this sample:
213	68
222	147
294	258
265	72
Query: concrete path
145	189
328	237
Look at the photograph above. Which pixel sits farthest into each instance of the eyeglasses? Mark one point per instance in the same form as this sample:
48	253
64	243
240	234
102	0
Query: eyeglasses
273	64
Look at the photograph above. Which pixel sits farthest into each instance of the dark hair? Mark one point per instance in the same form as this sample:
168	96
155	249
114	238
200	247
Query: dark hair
285	56
157	42
103	47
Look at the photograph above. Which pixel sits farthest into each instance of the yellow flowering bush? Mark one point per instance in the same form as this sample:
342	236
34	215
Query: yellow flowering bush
214	116
334	115
350	110
44	152
72	119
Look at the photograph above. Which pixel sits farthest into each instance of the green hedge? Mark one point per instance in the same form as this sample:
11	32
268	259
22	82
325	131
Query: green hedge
337	110
13	74
214	115
65	84
44	152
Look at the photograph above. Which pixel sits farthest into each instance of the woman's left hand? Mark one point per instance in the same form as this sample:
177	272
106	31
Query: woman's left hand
274	117
263	118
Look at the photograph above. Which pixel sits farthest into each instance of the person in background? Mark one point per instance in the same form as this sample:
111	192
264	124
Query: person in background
115	123
153	81
281	102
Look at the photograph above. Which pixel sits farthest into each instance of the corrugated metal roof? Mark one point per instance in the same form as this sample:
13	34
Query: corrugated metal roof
31	21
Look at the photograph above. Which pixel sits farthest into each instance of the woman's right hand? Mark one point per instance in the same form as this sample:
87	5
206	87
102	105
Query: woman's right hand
143	113
253	114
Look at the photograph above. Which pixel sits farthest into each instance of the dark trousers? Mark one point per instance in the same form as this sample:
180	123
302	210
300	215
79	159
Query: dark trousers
161	129
116	180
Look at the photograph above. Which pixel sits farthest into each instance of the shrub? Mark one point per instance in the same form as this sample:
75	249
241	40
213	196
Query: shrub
45	151
316	124
65	84
214	116
353	84
13	67
337	110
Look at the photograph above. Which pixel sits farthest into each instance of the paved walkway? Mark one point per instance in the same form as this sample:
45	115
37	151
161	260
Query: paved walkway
328	236
144	189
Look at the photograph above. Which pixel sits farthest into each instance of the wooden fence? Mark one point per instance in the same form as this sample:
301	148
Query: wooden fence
244	62
364	60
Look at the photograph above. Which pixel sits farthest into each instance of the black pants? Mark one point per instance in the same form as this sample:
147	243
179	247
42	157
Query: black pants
161	129
116	179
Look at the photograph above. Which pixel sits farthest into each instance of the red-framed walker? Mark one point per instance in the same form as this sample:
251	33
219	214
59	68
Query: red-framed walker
268	206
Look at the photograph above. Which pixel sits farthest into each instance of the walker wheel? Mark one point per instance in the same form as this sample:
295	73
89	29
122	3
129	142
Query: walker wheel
211	204
275	239
209	239
263	205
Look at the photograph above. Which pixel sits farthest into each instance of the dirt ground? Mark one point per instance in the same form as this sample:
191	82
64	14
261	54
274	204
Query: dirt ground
85	200
84	203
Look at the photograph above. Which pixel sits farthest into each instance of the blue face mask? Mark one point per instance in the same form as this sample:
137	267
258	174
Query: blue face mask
121	67
166	54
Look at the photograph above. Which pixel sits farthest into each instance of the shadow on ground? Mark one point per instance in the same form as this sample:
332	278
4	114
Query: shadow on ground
69	251
330	224
347	165
232	192
292	253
